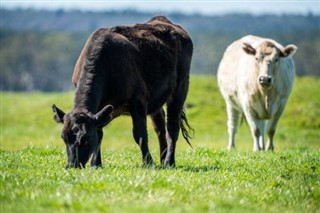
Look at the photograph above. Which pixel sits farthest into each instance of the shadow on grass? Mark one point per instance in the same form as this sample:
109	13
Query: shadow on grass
185	168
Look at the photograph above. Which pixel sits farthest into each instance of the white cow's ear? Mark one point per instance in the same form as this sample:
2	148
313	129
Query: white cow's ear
289	50
249	49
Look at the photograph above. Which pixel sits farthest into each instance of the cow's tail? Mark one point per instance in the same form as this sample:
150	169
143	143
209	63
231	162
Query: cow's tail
186	129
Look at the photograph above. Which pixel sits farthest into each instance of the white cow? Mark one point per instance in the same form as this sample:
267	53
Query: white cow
255	77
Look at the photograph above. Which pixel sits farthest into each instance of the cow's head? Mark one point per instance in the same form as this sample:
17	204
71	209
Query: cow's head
267	58
80	133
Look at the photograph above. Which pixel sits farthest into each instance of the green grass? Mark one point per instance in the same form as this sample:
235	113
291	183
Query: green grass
206	179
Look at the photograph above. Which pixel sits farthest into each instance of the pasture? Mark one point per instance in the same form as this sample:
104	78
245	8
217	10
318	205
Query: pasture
207	178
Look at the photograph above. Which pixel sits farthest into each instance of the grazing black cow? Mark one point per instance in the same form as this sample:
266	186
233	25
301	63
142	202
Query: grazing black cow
129	70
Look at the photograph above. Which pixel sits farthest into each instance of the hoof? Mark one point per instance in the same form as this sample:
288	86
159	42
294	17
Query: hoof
269	148
96	166
229	148
149	164
169	164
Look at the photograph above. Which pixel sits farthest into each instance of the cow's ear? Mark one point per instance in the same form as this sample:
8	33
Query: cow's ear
104	116
248	48
289	50
58	114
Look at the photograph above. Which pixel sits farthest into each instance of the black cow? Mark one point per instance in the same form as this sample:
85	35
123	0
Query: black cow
129	70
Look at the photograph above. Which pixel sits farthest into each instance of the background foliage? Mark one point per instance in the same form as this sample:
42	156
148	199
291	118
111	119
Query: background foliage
39	48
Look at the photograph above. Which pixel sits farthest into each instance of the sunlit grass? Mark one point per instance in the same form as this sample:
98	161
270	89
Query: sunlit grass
33	179
206	179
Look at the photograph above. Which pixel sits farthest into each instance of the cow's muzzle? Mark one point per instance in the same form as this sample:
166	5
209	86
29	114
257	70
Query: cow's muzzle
265	81
75	163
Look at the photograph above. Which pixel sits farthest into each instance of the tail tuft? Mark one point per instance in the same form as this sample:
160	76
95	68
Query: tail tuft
186	129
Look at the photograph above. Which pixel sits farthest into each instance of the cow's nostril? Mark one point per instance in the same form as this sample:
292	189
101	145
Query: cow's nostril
268	80
262	80
265	81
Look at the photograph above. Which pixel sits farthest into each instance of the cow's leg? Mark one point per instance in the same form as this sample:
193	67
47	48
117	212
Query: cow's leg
174	111
96	156
257	131
258	138
173	127
271	128
270	145
261	138
159	125
139	119
233	122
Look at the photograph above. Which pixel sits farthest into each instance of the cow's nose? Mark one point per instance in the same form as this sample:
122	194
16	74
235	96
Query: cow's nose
265	81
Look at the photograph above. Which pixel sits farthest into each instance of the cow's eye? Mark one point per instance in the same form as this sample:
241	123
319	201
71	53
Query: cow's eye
277	59
75	129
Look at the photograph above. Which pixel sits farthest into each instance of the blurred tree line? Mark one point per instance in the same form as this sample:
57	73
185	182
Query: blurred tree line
39	48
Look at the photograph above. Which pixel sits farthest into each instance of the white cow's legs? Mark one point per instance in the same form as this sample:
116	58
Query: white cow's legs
233	122
271	127
257	131
270	145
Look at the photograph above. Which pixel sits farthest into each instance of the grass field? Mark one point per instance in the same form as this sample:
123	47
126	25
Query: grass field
207	178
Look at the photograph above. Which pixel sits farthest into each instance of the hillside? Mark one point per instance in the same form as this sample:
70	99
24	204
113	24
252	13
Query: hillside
39	48
79	21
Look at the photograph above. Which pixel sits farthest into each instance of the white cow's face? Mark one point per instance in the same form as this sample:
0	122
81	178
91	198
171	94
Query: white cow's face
267	59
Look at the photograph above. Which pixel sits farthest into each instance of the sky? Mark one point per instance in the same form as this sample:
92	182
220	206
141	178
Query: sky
205	7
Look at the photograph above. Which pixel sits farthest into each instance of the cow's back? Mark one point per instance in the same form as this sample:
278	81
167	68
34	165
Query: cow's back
162	45
231	68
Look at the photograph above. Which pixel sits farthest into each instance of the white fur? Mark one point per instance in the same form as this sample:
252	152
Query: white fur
238	75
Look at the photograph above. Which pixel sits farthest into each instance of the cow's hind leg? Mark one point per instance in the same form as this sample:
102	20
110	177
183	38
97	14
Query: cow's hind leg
233	122
173	127
174	112
159	125
139	119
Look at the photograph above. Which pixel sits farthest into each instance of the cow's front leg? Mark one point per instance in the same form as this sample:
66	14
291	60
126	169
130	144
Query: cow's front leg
233	122
258	138
257	131
96	155
139	119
